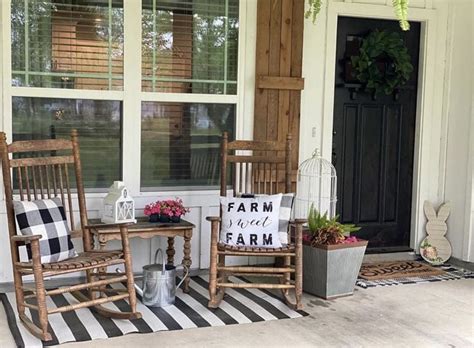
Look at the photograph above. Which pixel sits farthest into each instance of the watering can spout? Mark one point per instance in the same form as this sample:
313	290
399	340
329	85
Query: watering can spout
137	288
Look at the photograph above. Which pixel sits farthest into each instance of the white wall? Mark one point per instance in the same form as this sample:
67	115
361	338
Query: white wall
460	123
444	116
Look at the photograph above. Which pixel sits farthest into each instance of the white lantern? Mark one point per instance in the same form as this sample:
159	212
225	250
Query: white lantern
119	207
316	185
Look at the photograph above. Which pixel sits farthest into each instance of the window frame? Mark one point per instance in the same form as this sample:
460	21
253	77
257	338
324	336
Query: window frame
132	95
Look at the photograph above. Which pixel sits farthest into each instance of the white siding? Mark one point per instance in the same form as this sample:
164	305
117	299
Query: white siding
460	149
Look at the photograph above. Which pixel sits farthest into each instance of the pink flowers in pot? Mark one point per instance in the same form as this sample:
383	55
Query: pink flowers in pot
166	210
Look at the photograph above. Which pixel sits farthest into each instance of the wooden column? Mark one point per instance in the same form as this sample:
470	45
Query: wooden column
278	71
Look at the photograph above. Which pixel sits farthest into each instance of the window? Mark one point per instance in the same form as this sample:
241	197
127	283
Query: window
190	47
97	121
181	143
188	95
67	44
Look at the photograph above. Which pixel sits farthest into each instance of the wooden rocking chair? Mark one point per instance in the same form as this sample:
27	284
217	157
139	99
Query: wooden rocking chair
266	170
47	177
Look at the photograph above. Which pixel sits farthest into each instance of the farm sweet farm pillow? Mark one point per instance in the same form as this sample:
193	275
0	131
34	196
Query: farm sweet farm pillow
251	221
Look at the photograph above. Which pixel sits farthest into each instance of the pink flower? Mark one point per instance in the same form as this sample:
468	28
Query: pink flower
349	240
169	207
430	253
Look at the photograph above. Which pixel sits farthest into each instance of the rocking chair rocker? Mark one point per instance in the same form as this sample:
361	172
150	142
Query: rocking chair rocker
48	177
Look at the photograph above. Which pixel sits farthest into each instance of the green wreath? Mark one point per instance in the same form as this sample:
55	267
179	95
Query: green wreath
383	63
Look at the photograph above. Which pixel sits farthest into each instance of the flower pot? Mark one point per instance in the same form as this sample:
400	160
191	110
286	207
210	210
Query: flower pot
175	218
331	271
153	218
164	218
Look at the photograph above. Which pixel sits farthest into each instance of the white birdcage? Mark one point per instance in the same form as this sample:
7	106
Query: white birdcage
316	185
118	205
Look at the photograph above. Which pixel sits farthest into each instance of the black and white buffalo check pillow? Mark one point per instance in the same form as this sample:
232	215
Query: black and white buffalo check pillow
285	215
286	206
47	218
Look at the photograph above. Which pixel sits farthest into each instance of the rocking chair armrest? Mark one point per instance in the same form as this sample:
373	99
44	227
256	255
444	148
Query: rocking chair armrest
296	234
24	239
213	218
214	228
298	221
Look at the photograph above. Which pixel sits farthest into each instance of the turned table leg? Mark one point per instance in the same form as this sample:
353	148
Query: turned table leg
170	250
102	242
187	256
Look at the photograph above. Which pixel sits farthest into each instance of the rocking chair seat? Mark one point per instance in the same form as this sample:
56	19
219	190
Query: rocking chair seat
236	248
84	259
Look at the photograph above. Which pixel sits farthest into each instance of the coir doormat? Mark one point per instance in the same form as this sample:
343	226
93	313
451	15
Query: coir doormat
239	306
448	273
397	269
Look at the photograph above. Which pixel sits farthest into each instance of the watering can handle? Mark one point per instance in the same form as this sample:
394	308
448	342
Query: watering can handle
158	251
186	270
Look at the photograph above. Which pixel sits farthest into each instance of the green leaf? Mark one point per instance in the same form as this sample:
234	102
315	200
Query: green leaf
401	12
314	9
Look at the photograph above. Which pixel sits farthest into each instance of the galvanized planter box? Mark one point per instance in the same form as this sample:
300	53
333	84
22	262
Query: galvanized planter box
331	271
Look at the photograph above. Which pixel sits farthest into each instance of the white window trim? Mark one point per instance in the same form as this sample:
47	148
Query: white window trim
132	94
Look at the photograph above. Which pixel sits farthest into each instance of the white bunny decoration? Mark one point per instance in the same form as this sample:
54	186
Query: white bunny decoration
435	248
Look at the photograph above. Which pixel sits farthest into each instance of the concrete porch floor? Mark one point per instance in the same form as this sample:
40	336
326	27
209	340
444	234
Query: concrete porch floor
424	315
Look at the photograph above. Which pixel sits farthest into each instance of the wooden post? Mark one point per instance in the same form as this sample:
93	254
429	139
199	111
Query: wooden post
18	280
40	290
299	263
213	303
128	267
86	237
278	69
224	164
288	164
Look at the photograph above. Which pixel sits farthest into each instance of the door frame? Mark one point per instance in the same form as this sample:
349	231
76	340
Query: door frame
428	161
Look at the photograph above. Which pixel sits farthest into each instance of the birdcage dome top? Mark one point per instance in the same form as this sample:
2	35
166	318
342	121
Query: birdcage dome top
317	166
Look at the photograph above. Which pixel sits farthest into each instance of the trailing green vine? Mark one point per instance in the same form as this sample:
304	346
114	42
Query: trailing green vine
313	10
400	7
401	12
383	63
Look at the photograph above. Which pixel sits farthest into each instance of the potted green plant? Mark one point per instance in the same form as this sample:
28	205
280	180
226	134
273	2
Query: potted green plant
331	257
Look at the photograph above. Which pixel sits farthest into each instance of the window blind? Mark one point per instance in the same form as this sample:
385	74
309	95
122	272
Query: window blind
190	46
67	44
181	143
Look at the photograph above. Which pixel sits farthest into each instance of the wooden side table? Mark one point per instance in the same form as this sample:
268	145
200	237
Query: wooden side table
145	229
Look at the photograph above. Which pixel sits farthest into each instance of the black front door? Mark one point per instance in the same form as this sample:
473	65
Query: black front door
373	143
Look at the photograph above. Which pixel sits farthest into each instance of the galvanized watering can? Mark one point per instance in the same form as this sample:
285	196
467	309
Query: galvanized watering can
159	283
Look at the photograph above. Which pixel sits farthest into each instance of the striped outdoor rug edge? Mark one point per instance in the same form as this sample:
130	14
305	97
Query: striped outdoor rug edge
239	306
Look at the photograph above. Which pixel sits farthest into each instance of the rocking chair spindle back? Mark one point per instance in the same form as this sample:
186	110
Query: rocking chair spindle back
256	167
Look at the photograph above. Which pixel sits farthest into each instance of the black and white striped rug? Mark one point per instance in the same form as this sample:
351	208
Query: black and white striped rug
239	306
